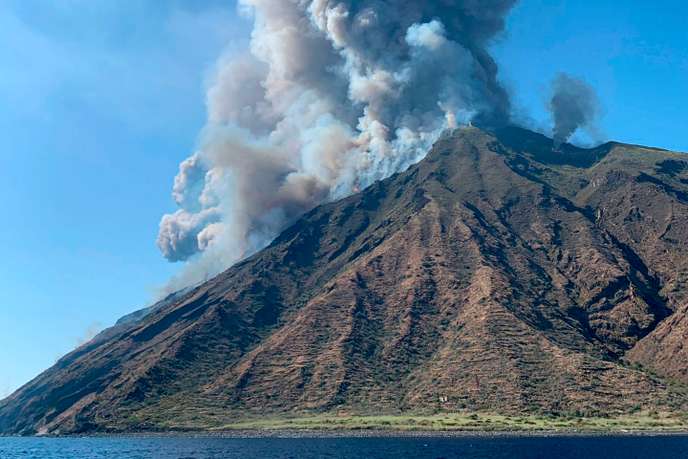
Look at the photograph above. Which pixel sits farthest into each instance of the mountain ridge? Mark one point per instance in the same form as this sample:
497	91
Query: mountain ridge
496	273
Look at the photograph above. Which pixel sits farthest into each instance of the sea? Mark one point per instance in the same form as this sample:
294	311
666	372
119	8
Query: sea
513	447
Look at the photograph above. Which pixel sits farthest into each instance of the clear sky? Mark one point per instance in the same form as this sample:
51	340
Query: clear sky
101	99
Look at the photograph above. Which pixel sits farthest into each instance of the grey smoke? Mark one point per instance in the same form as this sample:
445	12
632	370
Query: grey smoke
573	105
331	96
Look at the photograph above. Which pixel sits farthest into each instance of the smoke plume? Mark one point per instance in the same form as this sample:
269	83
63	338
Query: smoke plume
331	96
573	105
5	389
90	333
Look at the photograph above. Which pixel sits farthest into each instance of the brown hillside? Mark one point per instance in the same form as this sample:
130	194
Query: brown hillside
497	273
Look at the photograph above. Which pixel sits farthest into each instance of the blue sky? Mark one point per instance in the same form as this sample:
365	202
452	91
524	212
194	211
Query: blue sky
634	53
101	99
99	102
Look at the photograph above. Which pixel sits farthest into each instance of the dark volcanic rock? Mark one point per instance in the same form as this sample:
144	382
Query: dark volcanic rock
497	273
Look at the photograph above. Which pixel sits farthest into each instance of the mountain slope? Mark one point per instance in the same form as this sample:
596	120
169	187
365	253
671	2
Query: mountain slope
497	273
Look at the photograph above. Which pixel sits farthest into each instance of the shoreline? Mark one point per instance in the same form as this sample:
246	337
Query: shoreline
409	425
364	433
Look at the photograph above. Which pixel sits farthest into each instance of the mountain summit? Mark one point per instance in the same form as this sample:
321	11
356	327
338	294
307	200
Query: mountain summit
498	274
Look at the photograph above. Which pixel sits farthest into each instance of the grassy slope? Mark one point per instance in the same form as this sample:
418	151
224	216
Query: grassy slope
482	422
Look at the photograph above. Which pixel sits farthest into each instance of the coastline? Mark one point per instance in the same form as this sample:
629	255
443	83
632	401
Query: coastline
373	433
325	434
469	424
457	424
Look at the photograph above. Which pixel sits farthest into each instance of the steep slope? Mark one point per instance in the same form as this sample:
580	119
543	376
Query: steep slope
497	273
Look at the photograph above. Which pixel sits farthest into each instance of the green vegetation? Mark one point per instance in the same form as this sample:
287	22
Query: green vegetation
477	422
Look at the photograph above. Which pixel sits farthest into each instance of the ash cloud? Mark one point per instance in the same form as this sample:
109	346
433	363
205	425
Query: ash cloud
331	96
573	105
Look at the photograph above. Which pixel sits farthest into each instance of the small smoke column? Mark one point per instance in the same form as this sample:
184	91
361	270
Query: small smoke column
90	333
5	389
573	105
331	96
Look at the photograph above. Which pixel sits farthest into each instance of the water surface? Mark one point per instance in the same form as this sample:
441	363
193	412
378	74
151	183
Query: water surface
627	447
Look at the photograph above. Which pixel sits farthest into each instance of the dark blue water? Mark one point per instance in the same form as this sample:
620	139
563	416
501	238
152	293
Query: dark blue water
364	448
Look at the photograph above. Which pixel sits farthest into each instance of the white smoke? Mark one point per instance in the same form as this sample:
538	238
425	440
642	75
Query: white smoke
331	96
5	388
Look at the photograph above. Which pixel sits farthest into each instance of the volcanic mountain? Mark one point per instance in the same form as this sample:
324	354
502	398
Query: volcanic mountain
497	274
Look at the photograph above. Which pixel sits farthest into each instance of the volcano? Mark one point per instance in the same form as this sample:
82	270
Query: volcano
497	274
